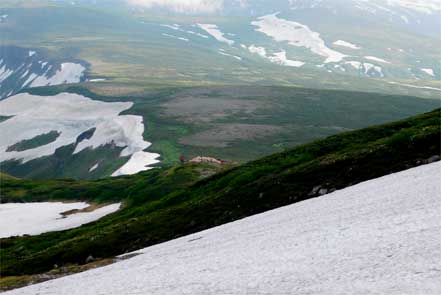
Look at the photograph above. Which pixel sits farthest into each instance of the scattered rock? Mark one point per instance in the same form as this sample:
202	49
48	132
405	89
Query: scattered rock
90	259
315	190
433	159
322	191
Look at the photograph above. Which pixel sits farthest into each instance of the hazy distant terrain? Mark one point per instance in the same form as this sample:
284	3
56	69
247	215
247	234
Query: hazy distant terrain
215	78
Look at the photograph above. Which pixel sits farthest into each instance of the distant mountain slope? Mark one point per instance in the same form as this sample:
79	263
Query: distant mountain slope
163	204
22	68
243	44
380	235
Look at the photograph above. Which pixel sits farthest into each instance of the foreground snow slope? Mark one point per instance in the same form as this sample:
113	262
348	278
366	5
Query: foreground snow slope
379	237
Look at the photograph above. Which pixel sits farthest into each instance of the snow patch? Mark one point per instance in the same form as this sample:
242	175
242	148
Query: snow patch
67	74
70	115
296	34
355	64
429	72
257	50
346	44
222	52
214	31
280	58
277	58
370	70
376	59
94	167
175	37
36	218
381	235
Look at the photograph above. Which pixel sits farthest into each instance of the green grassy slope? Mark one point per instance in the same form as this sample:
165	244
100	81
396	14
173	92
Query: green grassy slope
164	204
235	123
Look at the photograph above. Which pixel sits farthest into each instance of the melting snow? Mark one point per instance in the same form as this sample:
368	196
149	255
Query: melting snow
37	218
368	68
354	64
377	237
277	58
94	167
68	73
70	115
257	50
5	73
429	72
214	31
230	55
296	34
175	37
280	58
376	59
176	27
346	44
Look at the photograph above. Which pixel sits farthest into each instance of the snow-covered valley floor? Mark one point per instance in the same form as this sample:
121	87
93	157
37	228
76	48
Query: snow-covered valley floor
36	218
379	237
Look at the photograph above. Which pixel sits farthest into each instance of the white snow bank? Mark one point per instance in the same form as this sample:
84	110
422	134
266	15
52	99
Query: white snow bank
277	58
67	74
378	237
214	31
296	34
175	37
222	52
5	73
257	50
139	161
369	69
346	44
429	72
36	218
281	59
377	59
70	115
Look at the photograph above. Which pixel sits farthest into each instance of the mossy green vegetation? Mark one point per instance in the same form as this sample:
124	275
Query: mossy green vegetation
34	142
233	123
166	203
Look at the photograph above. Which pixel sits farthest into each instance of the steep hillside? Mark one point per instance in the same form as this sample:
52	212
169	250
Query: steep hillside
378	237
163	204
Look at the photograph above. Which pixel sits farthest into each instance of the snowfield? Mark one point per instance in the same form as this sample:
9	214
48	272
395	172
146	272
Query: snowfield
37	218
216	33
277	57
429	72
281	59
346	44
71	115
377	59
67	74
378	237
296	34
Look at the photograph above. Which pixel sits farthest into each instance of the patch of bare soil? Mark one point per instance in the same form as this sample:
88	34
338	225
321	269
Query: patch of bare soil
192	109
224	134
